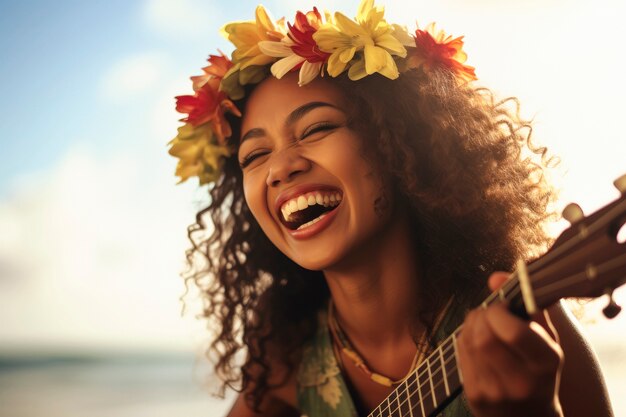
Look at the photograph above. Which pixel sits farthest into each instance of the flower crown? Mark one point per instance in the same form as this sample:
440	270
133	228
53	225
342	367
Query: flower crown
314	45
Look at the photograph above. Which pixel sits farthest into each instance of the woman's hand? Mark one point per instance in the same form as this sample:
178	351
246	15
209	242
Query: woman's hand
510	367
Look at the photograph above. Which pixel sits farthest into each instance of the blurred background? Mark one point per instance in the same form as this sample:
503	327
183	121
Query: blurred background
93	227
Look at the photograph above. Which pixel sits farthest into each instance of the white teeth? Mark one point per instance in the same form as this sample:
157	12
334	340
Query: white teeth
315	220
304	201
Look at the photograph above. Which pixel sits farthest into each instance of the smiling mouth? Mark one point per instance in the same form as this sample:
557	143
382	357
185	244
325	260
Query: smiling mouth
308	209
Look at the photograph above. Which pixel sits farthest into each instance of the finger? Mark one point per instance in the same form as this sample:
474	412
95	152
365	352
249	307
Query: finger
503	365
497	279
465	355
543	317
482	384
529	340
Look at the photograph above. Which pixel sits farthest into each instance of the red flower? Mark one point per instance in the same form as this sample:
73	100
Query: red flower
208	104
435	50
219	66
301	33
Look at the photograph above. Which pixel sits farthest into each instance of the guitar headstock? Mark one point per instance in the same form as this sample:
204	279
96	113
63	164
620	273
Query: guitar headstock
588	259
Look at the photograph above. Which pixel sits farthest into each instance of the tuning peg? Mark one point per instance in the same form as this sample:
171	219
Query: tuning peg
573	213
620	184
612	309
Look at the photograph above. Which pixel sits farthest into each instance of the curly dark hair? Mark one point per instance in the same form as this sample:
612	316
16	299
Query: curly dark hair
462	162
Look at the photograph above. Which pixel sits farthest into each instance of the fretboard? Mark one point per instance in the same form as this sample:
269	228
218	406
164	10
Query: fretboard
437	380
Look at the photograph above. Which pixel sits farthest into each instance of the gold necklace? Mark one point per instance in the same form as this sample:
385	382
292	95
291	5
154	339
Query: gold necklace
343	342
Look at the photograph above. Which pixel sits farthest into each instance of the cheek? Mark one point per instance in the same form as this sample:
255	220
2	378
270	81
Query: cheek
345	161
372	194
254	192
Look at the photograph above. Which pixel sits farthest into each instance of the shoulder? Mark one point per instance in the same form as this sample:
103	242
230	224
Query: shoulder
583	391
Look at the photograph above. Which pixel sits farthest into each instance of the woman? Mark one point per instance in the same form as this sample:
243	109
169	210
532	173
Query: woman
361	194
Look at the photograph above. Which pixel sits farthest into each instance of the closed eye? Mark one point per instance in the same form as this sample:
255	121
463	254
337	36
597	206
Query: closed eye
318	127
248	159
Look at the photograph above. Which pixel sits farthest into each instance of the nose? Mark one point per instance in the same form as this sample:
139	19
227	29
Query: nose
285	164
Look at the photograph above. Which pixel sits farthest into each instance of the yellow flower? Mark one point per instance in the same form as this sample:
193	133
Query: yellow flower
199	154
247	35
248	59
367	45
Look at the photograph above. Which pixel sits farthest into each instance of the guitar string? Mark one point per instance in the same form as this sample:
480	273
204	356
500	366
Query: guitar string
568	280
416	382
608	265
580	276
418	385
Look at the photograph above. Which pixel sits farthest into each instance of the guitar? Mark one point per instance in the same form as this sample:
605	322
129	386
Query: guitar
587	260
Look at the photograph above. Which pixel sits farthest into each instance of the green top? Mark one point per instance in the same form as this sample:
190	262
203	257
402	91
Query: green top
322	391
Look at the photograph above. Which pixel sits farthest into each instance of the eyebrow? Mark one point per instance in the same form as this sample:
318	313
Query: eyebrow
293	117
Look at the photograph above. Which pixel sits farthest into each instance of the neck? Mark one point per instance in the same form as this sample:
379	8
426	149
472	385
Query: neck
374	294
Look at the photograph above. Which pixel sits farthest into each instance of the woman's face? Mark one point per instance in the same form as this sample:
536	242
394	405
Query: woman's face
304	178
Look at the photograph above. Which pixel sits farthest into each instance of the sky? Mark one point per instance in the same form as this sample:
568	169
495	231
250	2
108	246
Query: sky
92	223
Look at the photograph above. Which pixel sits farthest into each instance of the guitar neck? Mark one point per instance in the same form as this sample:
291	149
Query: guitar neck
437	380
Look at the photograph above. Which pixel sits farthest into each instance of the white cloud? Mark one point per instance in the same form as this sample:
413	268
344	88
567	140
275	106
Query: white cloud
96	246
181	19
133	76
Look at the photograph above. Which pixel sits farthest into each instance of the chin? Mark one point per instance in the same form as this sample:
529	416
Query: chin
314	258
322	258
313	263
